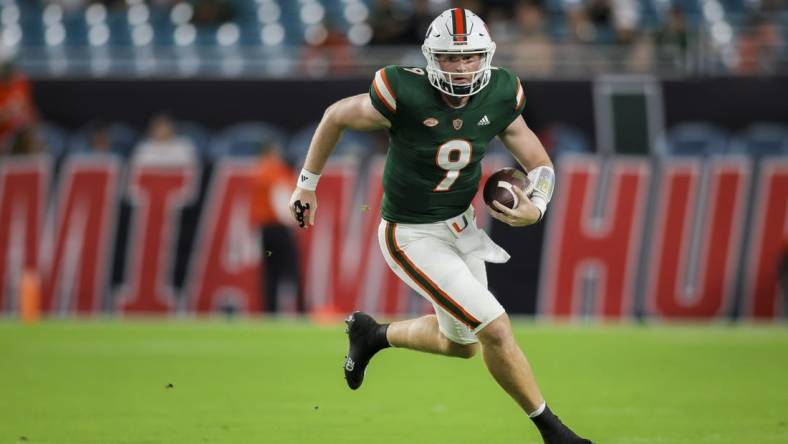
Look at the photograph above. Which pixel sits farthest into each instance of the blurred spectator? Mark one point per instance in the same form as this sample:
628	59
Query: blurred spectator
478	7
502	28
388	21
27	142
672	37
419	20
640	53
213	12
773	6
581	30
329	52
626	17
600	16
270	211
532	48
17	111
163	147
99	138
759	47
603	21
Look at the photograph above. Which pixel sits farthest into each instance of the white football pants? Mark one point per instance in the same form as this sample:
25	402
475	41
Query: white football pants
426	257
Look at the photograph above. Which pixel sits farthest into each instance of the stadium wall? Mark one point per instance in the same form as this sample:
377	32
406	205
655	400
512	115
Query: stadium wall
732	103
626	237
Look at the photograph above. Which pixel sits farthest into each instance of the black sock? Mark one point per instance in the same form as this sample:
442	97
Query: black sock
546	421
379	340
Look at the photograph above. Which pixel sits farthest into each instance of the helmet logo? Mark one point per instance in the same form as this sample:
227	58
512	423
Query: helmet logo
457	123
430	122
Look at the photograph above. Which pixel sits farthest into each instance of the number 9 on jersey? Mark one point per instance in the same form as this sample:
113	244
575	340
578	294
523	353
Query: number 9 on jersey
452	156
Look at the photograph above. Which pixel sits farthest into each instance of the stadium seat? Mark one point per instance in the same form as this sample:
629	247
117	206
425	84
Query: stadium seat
649	14
566	139
76	30
695	139
198	135
762	139
119	29
735	7
54	138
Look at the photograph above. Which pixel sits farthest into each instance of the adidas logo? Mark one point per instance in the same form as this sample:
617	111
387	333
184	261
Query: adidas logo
303	178
484	121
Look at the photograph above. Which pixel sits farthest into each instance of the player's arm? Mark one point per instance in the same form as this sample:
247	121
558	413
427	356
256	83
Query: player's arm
355	112
521	141
529	152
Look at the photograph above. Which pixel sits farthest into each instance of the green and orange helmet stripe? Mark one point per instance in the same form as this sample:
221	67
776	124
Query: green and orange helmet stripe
459	26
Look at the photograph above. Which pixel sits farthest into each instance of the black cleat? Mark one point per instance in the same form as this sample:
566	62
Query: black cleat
366	337
554	431
565	436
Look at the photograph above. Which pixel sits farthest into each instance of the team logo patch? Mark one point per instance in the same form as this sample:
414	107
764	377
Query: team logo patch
457	123
430	122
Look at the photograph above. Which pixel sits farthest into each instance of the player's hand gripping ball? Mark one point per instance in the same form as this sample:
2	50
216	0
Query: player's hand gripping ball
499	187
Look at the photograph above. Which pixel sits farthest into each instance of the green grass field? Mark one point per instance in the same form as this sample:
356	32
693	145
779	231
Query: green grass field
281	382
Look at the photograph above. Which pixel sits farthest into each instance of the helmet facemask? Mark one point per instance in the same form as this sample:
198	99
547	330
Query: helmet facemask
443	80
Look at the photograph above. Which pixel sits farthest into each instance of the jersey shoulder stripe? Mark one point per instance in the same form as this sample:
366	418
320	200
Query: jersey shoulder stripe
520	96
517	96
384	90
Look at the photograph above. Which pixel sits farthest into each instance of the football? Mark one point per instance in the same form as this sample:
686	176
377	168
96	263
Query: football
499	187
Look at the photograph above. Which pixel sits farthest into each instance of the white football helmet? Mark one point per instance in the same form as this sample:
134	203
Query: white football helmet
458	31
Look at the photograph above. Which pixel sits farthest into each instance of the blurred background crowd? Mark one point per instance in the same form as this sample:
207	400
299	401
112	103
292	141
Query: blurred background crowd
565	38
539	39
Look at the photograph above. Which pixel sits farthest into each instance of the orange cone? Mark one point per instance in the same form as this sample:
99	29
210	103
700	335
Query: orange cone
30	297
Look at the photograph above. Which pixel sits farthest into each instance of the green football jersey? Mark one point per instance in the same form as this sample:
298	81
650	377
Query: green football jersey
433	165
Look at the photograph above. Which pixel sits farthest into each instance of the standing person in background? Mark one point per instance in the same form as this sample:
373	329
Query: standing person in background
272	185
163	147
532	45
17	110
27	143
99	138
759	47
672	37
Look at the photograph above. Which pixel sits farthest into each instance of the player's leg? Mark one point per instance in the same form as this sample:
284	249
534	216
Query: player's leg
508	365
423	334
510	368
503	357
426	260
367	337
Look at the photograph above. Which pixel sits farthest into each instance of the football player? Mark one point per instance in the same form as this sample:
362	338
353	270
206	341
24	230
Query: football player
440	120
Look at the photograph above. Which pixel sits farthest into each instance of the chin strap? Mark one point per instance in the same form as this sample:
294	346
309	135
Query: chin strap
543	183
